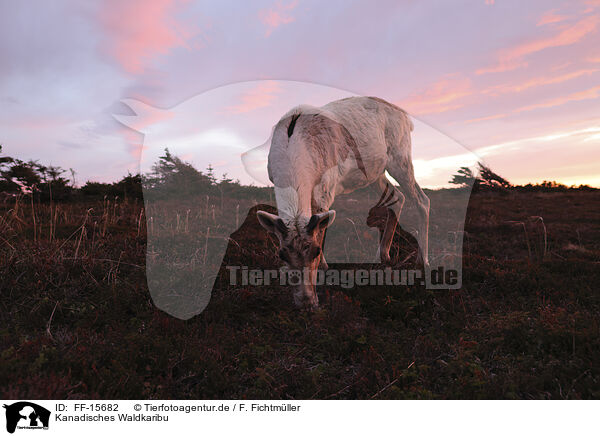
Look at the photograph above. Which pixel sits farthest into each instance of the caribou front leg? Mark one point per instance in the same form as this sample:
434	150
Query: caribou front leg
321	201
323	263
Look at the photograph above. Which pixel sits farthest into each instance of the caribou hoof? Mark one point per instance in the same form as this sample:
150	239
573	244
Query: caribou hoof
384	257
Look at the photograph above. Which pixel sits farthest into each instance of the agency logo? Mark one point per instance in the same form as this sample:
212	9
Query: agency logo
26	415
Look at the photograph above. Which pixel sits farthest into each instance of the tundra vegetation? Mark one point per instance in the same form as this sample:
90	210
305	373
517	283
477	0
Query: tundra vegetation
77	320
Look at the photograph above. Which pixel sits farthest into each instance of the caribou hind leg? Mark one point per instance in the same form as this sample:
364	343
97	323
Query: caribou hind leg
384	215
401	169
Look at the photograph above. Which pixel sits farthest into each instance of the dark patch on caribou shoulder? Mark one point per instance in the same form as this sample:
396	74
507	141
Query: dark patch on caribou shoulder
292	125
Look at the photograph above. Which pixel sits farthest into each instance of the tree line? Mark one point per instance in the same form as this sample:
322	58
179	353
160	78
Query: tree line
172	174
168	174
488	180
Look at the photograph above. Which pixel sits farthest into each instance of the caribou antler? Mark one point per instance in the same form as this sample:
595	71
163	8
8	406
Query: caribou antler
385	203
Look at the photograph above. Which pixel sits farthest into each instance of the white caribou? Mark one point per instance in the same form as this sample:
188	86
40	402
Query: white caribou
318	153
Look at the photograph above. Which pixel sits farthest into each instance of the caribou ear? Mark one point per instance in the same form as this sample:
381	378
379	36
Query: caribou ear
271	222
320	220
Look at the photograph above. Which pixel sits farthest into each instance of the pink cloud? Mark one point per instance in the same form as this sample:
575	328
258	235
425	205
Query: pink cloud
592	5
512	58
259	97
441	96
551	17
137	31
588	94
538	81
561	66
277	15
490	117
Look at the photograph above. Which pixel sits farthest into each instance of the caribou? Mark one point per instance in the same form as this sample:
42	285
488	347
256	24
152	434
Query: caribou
318	153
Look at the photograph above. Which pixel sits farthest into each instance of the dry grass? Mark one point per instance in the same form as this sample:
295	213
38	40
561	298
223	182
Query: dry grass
77	321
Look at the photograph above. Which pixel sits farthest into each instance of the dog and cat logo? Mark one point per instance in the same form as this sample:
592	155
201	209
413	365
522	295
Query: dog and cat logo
26	415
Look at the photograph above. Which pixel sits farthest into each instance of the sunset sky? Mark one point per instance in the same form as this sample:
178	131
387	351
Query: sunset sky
515	82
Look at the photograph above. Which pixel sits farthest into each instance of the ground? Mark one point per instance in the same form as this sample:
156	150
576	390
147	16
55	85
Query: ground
77	320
